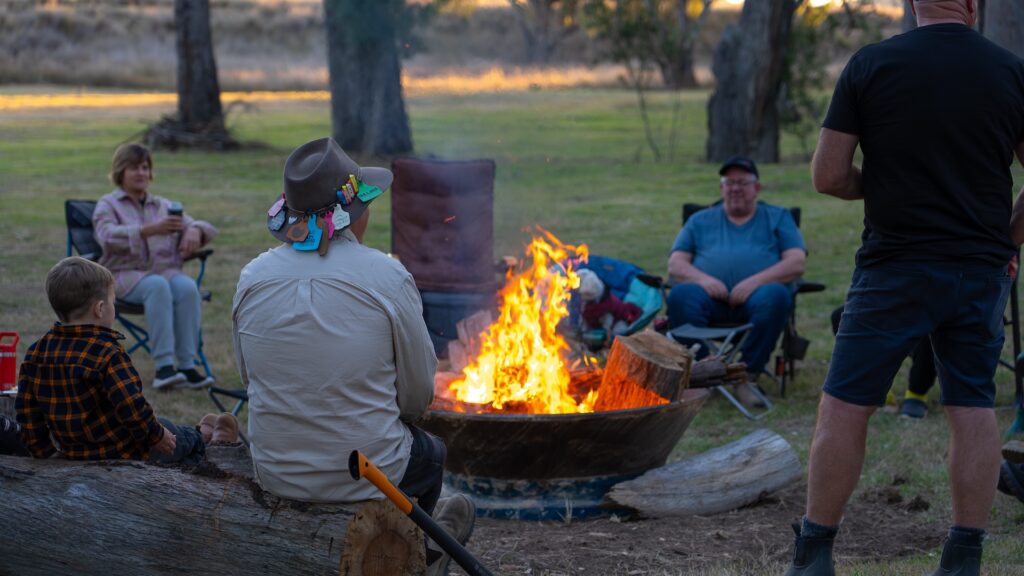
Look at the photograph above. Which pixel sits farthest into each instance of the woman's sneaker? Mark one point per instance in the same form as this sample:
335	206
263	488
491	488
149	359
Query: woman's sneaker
192	379
167	377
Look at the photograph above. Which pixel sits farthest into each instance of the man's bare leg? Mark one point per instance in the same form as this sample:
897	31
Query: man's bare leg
837	456
973	464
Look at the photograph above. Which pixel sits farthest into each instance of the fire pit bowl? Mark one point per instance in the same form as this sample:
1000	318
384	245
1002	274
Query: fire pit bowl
543	466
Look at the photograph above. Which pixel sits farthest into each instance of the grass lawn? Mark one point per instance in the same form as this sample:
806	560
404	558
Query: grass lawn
572	161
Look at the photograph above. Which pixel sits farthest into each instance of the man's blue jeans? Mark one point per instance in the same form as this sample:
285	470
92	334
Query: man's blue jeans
767	309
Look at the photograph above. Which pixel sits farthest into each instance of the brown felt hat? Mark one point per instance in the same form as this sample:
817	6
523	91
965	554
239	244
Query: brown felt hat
314	173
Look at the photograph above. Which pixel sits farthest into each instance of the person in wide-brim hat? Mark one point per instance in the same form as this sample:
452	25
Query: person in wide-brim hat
325	192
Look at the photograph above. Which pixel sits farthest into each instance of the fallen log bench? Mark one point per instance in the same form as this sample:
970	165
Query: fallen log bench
124	517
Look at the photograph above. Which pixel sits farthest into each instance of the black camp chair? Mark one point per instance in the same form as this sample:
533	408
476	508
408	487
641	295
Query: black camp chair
793	346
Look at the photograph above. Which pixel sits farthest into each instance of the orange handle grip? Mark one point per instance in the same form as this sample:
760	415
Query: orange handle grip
359	466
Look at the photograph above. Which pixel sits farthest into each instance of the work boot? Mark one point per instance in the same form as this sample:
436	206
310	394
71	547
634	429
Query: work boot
225	429
744	393
812	556
456	515
1013	451
959	558
206	425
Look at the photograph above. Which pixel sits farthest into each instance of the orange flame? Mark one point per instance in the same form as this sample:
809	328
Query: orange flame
522	359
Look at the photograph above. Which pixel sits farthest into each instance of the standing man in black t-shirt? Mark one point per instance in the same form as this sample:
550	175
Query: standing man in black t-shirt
938	113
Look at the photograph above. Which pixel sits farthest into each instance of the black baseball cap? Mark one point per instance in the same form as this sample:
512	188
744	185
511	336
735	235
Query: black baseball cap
739	162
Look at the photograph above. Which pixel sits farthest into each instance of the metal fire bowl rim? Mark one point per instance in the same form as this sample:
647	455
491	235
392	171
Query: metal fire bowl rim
689	396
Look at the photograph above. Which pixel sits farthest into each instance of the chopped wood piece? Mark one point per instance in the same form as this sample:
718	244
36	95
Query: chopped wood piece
718	480
640	366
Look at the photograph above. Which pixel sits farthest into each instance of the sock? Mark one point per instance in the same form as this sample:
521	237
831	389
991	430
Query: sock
890	399
966	536
809	529
914	396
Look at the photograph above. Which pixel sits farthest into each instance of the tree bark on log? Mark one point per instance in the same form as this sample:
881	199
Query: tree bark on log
748	65
1004	24
639	365
718	480
124	517
367	107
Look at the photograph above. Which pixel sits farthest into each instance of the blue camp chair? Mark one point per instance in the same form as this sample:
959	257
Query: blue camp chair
629	283
82	239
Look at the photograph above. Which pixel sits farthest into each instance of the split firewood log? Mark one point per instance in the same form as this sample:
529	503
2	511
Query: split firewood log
124	517
641	368
719	480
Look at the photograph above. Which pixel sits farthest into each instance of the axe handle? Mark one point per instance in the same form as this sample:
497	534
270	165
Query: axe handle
359	466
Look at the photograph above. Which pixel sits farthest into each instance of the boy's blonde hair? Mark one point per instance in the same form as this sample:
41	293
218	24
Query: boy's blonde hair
74	284
129	155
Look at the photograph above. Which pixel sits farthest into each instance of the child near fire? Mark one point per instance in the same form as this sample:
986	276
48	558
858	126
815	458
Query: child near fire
602	309
79	394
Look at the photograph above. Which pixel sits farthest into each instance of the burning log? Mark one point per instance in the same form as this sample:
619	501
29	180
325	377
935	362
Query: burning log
213	519
718	480
643	369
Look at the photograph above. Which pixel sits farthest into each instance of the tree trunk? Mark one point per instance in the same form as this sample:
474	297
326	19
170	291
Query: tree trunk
367	107
123	517
1004	24
748	68
909	21
199	107
718	480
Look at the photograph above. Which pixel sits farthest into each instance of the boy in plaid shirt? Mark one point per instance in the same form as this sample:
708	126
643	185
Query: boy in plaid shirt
78	393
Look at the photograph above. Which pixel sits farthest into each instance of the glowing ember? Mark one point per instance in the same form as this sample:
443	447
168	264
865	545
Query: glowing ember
523	360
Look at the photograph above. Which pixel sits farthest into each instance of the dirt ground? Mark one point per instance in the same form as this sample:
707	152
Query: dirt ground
752	540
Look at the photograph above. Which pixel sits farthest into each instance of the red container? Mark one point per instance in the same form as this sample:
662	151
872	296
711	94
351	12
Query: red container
8	360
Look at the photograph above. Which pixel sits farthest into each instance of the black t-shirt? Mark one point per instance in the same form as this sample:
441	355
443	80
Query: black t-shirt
939	111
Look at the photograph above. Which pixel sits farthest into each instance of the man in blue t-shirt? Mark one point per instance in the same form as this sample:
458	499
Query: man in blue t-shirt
734	263
938	113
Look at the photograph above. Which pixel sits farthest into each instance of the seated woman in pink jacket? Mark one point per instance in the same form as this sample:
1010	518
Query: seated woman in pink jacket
145	240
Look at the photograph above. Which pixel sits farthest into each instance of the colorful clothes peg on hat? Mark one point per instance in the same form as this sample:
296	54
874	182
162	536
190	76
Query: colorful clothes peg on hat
312	240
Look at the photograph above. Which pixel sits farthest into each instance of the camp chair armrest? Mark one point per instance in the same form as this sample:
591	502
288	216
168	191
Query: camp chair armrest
651	280
809	287
200	254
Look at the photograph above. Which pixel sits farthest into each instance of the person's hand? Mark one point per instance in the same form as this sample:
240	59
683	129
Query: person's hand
169	225
714	287
166	444
1011	269
191	240
742	291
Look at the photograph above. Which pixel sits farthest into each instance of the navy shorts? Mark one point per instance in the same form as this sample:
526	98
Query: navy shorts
890	307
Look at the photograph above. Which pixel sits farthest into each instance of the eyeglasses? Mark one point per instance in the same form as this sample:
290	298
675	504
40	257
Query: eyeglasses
730	183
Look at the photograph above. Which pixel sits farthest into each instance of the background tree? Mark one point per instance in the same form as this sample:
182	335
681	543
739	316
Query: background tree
544	24
1003	23
200	119
672	28
364	41
748	65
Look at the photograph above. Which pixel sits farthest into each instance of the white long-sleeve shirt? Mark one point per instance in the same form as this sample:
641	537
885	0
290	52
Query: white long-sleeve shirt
335	356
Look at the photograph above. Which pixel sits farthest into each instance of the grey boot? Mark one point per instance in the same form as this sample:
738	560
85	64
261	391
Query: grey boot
811	556
959	559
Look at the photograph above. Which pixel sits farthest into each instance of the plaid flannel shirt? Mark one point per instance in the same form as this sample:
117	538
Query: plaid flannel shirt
78	394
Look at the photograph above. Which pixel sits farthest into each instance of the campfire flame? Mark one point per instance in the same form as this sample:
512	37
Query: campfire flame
523	359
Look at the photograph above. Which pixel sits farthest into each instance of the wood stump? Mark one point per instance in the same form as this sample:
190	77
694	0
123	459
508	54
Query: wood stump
124	517
643	369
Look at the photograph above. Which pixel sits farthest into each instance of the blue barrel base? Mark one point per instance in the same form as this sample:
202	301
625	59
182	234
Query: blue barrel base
557	499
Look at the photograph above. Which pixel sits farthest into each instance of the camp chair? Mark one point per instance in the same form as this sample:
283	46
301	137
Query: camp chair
629	283
725	342
793	346
82	239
